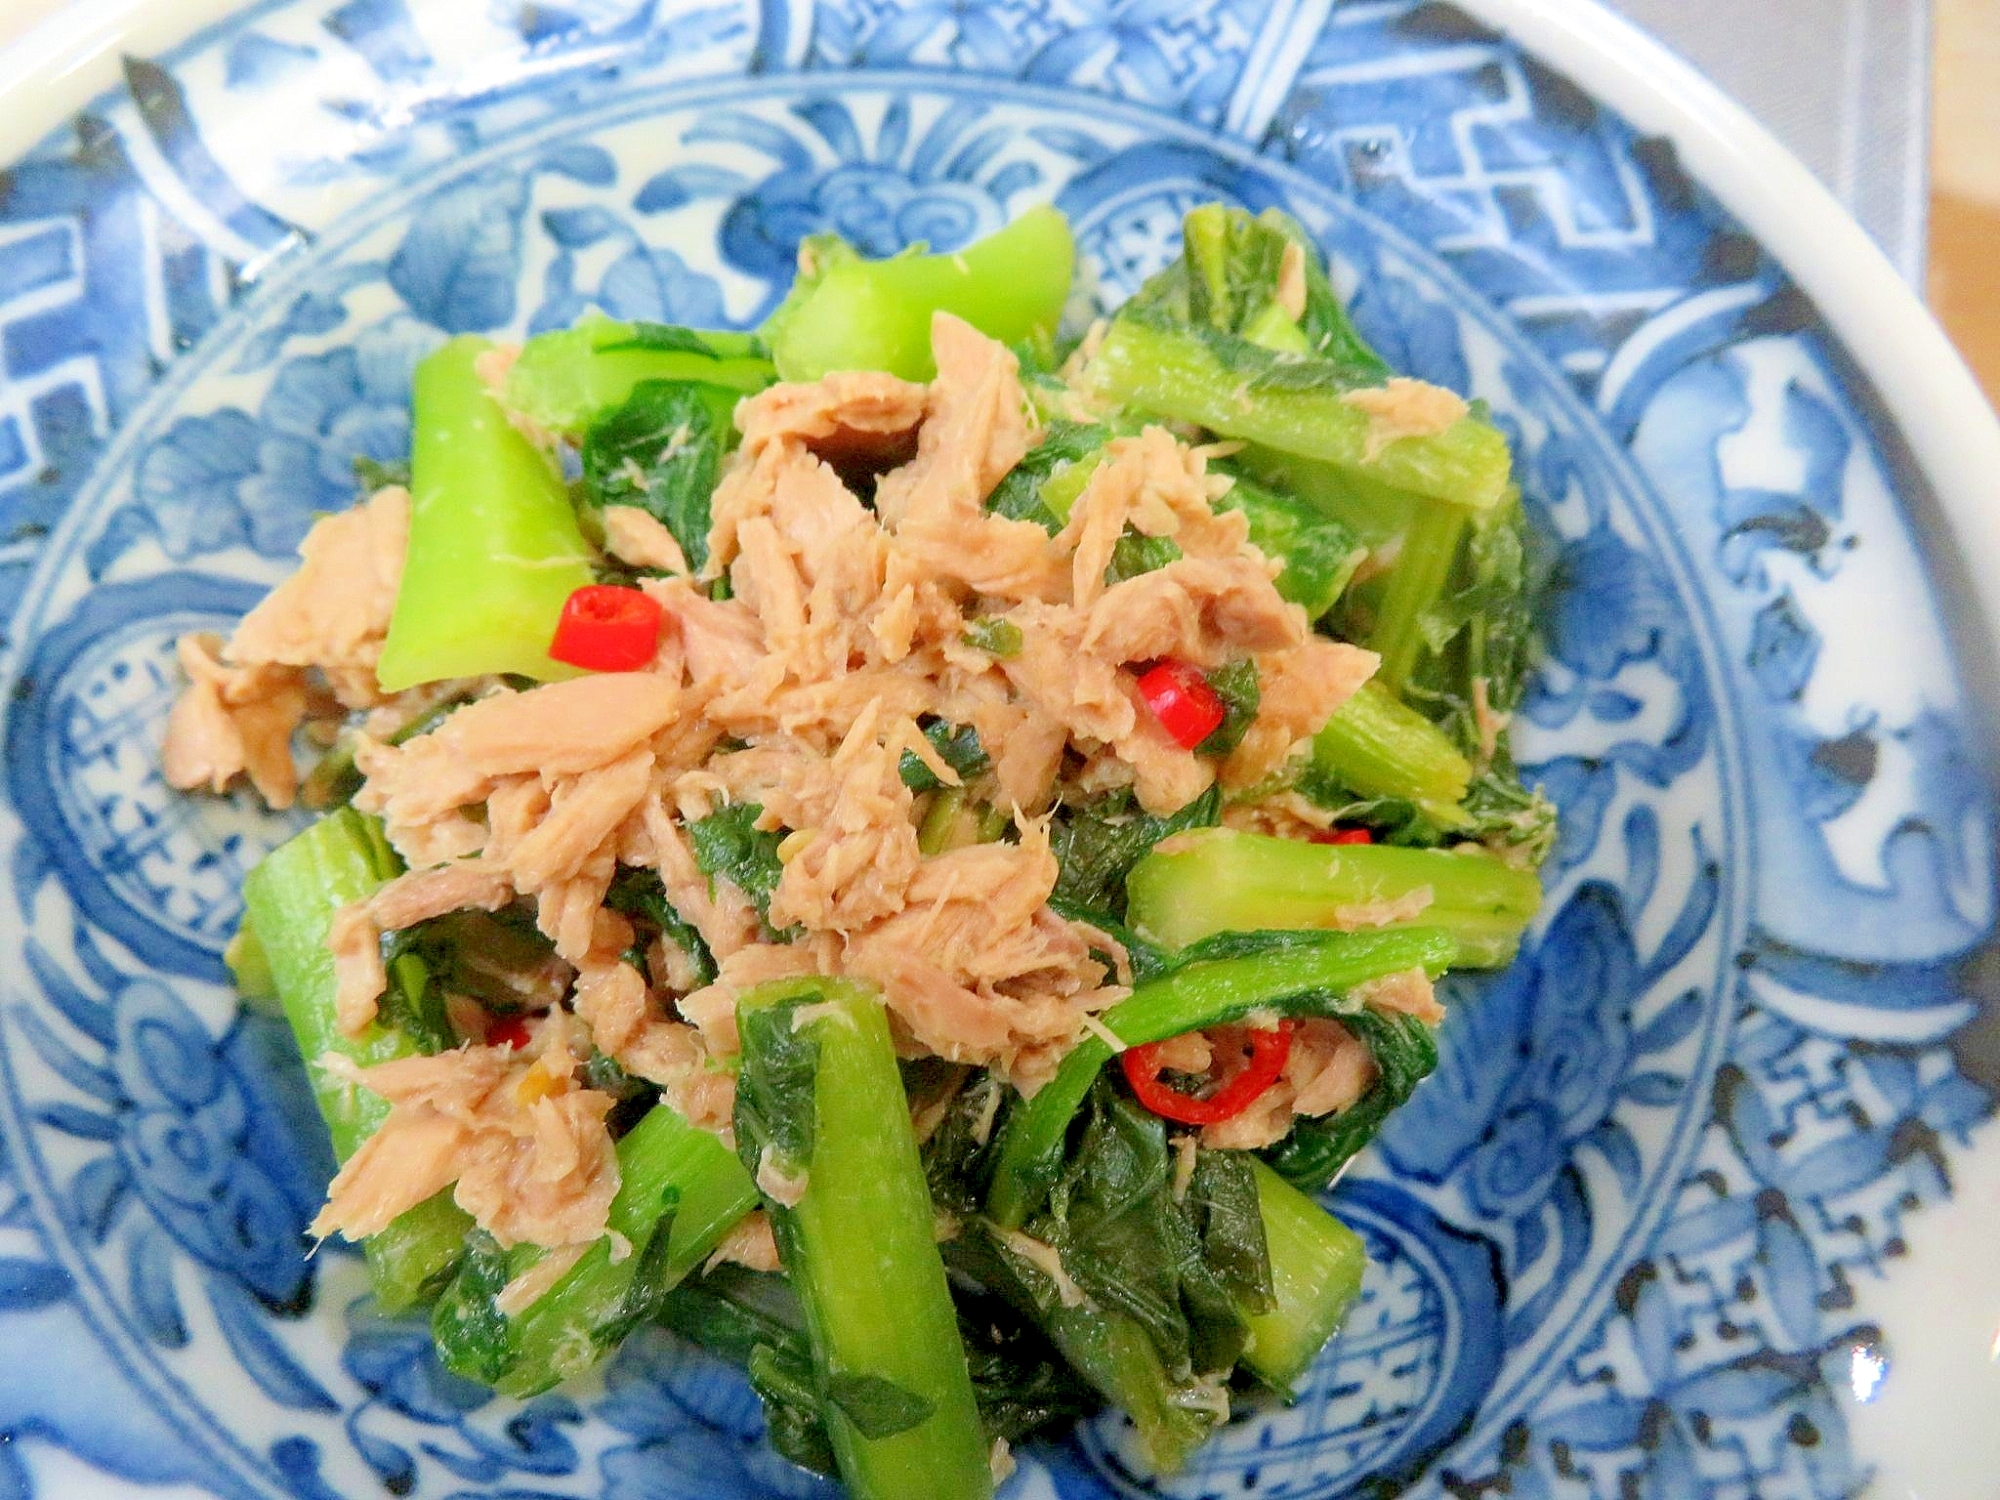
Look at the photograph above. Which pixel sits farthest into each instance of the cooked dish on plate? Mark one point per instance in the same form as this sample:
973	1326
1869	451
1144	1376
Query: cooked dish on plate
906	846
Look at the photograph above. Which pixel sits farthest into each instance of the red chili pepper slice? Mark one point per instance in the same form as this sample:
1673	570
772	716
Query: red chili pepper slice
1341	836
508	1031
1181	699
608	629
1268	1051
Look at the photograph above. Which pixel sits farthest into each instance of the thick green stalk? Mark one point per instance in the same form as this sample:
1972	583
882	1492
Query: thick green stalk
289	903
1316	1267
1237	389
1221	880
1376	512
566	379
876	314
1378	746
1423	568
417	1253
1301	976
1319	553
1110	1349
671	1173
820	1104
494	547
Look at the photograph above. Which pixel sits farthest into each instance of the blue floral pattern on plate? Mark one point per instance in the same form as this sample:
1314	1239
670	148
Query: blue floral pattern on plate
1617	1238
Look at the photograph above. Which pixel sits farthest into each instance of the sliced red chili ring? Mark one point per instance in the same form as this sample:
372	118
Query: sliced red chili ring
1268	1053
508	1031
1181	699
606	628
1341	836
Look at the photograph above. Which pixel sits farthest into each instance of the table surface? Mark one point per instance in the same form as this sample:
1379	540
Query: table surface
1844	83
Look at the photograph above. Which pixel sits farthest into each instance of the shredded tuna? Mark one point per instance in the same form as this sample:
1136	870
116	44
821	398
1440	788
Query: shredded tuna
640	540
520	1142
1328	1069
333	613
1404	408
749	1243
1409	991
233	721
525	1290
783	1186
849	415
1359	916
1045	1258
976	967
423	894
358	975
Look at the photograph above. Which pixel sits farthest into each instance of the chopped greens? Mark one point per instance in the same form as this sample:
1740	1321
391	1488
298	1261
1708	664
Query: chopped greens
1098	844
997	1193
661	451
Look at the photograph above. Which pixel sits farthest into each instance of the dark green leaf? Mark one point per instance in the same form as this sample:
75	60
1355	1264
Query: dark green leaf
781	1375
1134	553
1001	638
1097	845
957	746
776	1089
1018	496
497	958
1222	1201
955	1155
1232	264
1125	1240
1238	686
662	451
472	1334
638	893
728	845
1405	1052
878	1408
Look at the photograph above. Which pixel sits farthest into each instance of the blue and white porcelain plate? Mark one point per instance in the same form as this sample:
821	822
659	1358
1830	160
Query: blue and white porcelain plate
1704	1199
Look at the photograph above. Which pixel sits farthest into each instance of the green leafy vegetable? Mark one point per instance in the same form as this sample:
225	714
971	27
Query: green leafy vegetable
876	315
957	746
637	892
820	1097
661	451
1405	1052
1097	844
1064	457
1134	553
1129	1245
1001	638
1320	553
1224	880
569	378
728	845
1316	1267
1238	687
1289	402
